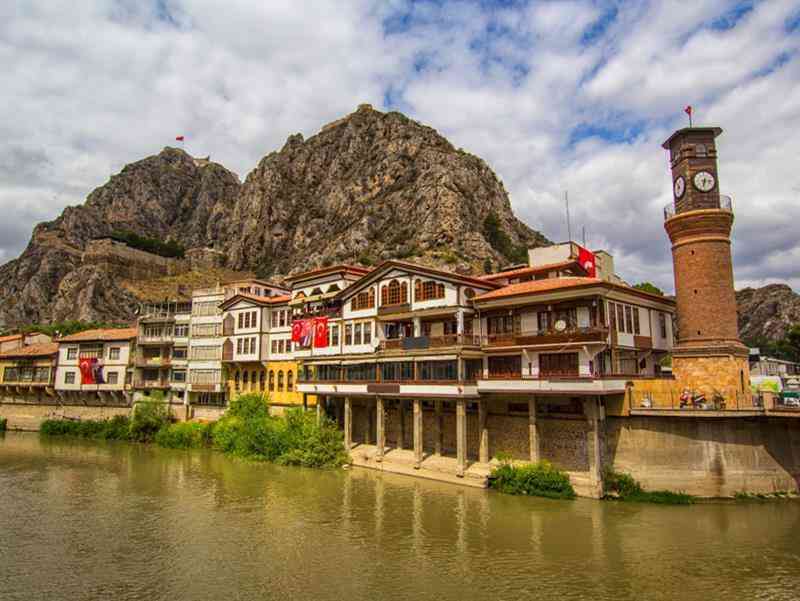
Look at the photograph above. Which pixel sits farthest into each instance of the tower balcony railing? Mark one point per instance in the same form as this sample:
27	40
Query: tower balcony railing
698	202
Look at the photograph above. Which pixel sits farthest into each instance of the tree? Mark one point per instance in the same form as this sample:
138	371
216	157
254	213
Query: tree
649	287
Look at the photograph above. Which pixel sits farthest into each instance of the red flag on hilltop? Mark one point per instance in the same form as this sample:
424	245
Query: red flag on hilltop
179	138
587	260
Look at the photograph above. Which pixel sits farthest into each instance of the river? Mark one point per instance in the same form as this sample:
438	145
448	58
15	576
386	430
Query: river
85	520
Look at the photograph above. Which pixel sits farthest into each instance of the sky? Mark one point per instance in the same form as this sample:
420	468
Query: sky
556	96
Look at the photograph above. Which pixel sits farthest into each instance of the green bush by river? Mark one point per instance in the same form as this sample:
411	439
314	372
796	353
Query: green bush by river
624	487
540	479
246	430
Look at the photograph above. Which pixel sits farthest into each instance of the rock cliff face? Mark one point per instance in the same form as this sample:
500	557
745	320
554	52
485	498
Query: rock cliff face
766	313
368	187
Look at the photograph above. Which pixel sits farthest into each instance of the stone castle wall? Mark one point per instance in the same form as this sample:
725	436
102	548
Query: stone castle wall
131	263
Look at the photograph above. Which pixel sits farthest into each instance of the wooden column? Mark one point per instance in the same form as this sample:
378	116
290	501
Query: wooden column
417	433
533	430
401	416
380	430
439	429
348	423
483	415
461	437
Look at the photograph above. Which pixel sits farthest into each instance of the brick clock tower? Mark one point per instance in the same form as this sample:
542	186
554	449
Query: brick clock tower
708	355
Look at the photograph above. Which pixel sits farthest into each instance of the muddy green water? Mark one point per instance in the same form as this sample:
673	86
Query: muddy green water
83	520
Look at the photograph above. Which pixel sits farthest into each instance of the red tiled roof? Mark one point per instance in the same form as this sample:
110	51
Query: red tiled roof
105	335
354	269
260	300
535	286
526	270
34	350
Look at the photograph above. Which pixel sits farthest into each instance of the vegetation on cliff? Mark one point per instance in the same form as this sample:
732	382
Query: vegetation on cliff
170	248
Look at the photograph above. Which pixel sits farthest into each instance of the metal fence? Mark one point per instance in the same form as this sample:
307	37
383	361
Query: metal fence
677	400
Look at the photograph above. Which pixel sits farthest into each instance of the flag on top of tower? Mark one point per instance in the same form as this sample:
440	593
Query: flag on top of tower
587	260
179	138
688	110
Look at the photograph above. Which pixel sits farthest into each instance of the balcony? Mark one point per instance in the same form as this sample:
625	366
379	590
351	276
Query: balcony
150	384
392	309
533	338
410	343
158	339
697	202
153	361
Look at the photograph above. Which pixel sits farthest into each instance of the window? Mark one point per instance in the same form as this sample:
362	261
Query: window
239	346
72	353
282	318
662	322
361	372
280	346
271	381
261	380
205	376
240	322
473	369
505	324
69	377
206	353
636	329
10	374
274	347
397	372
368	332
179	376
280	381
469	293
254	319
621	318
428	290
289	381
437	370
612	313
113	352
206	308
505	366
274	319
628	319
179	353
394	293
181	331
348	334
333	335
558	364
206	330
357	333
245	379
112	377
363	300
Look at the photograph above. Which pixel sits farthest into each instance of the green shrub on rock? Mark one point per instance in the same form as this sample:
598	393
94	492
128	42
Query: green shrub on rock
625	488
147	419
185	435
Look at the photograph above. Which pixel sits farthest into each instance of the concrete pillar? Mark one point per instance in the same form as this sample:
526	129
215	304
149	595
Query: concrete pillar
401	416
533	431
461	437
348	423
483	415
592	410
380	430
437	448
417	433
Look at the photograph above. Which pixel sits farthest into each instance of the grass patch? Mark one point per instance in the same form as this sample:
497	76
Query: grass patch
624	487
540	479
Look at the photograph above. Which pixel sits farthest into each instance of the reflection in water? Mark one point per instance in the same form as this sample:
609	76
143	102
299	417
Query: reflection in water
86	520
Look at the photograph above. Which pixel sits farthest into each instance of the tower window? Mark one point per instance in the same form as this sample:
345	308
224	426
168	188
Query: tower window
700	150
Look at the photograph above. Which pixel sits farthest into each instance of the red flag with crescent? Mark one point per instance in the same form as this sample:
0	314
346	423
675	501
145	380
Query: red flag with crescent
588	261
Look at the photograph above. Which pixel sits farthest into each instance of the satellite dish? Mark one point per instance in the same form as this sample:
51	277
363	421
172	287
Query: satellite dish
560	325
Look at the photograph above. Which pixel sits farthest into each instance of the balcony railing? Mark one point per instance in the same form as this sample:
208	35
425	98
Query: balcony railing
585	334
391	309
159	383
674	400
428	342
698	202
158	339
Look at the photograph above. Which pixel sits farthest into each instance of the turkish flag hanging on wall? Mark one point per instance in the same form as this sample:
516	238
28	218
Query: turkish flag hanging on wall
320	332
587	260
297	330
86	366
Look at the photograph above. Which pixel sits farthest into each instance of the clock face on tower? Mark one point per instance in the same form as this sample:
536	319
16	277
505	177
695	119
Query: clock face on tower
704	181
679	186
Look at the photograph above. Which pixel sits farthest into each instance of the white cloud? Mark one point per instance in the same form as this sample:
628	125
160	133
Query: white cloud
555	95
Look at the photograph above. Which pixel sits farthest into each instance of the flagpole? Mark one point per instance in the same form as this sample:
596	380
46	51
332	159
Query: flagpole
569	226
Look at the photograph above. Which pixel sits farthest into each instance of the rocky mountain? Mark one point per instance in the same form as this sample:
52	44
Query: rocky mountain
367	187
767	313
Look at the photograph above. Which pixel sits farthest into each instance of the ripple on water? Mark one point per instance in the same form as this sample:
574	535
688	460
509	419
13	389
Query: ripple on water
87	521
